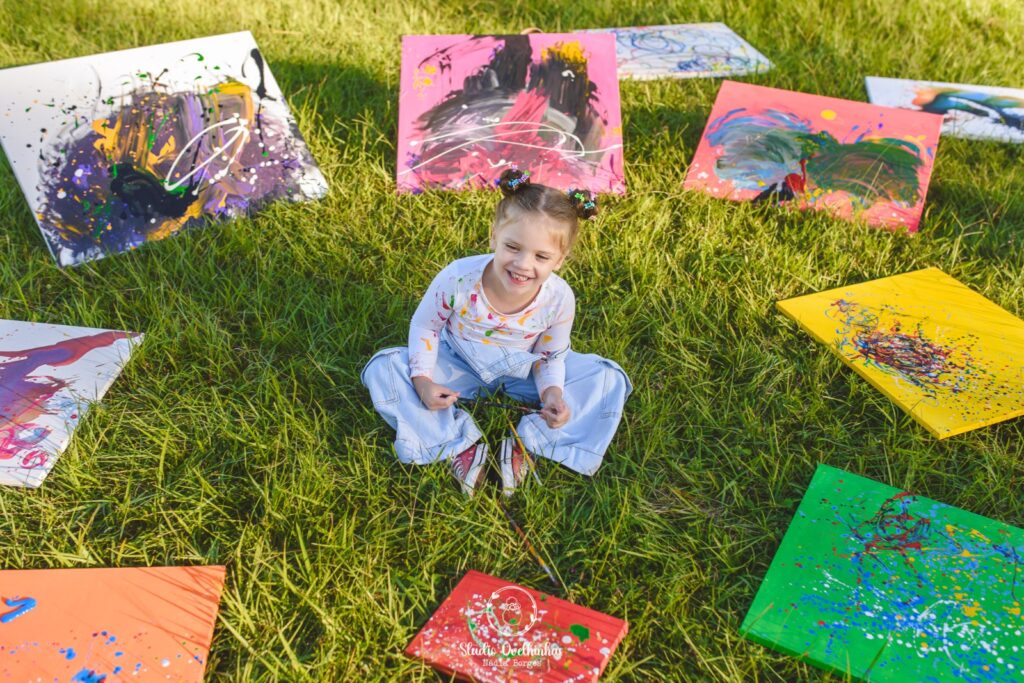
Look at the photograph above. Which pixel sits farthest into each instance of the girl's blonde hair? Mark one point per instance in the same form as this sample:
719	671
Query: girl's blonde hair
567	208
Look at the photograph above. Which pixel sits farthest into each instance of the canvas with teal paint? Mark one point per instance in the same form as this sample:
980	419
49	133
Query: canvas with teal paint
886	586
976	112
854	160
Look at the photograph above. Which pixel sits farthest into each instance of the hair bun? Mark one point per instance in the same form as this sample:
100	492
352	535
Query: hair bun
584	201
511	180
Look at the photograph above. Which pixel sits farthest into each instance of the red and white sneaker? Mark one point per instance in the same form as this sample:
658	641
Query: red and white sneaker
468	467
516	465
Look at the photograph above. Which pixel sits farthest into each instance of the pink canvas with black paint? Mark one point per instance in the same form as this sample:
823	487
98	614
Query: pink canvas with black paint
855	160
49	375
472	106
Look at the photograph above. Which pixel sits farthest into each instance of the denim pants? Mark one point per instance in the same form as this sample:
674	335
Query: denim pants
595	389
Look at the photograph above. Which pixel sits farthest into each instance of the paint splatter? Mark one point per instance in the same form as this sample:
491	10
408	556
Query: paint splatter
129	158
543	112
891	586
783	157
906	352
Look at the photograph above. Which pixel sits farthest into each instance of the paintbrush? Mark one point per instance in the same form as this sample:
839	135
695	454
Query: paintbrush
529	546
526	410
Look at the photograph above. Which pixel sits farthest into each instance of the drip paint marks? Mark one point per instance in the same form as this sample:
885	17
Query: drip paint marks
851	159
49	374
491	631
946	354
119	149
884	586
107	625
472	106
685	51
977	112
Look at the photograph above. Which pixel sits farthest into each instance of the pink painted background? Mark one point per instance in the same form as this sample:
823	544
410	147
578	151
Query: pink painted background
848	122
433	67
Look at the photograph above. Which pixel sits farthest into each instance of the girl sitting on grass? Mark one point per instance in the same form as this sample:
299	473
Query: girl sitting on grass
495	322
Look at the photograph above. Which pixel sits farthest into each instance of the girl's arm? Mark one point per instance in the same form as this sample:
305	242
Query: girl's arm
429	319
553	344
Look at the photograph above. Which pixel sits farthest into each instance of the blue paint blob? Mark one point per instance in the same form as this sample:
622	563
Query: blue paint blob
20	605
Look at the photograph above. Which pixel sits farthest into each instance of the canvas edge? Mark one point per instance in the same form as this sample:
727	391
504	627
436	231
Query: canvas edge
746	631
474	574
83	404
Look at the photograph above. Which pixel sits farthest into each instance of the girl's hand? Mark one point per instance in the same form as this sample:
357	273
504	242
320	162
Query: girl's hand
556	411
434	396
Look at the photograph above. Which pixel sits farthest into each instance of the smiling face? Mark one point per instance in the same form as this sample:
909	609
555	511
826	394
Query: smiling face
527	249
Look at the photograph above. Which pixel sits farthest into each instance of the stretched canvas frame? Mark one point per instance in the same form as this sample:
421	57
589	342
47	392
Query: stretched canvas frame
854	160
472	106
976	112
944	353
885	586
106	625
49	375
709	50
118	149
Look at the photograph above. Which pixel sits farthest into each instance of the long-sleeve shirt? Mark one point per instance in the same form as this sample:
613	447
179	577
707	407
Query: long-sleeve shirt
455	301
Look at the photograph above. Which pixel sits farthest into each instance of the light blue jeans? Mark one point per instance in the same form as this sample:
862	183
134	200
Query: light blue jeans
595	389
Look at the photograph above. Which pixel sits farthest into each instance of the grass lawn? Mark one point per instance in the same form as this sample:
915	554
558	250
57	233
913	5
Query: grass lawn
240	434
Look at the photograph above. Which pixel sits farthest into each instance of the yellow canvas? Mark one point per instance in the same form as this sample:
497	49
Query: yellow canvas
947	355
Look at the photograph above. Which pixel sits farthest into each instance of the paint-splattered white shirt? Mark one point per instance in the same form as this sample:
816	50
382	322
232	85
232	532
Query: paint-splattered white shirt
456	301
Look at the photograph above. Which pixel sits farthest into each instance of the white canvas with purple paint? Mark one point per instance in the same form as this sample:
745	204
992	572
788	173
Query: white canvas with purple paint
115	150
710	50
976	112
49	374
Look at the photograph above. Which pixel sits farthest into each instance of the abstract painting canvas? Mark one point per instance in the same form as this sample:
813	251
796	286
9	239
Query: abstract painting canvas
108	625
944	353
119	149
884	586
685	51
49	374
978	112
852	159
472	106
489	630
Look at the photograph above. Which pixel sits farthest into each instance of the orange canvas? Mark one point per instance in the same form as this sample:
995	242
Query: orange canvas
107	625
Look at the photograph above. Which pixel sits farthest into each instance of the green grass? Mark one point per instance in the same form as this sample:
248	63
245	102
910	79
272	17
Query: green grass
240	433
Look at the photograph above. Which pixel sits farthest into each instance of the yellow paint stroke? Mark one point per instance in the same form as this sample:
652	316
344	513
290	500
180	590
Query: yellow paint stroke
570	52
828	114
978	534
522	320
123	142
546	338
426	341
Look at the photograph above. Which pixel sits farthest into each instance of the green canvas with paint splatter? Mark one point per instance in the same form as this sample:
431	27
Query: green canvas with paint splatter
883	585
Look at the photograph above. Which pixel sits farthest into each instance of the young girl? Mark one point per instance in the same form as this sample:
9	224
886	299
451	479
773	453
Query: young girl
502	321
